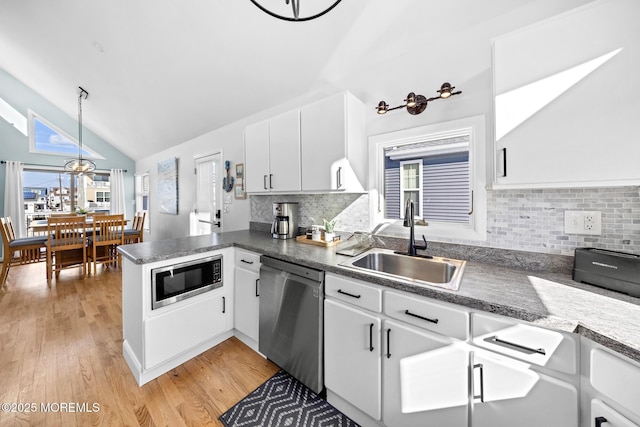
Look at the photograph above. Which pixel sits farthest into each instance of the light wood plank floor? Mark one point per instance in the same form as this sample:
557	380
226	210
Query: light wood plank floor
63	345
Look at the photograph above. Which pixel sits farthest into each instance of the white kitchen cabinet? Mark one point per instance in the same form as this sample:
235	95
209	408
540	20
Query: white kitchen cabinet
333	144
185	326
352	356
610	386
549	130
158	340
507	394
436	392
247	278
542	347
604	416
272	154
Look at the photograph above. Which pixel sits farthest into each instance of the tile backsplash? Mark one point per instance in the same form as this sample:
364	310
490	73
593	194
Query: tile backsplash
526	220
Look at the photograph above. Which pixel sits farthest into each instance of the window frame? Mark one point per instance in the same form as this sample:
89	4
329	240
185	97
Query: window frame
476	229
417	206
32	116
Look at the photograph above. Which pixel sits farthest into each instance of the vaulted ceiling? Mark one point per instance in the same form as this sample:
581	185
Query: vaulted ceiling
160	72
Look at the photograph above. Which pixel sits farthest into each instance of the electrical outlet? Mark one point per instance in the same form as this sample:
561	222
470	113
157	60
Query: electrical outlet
583	222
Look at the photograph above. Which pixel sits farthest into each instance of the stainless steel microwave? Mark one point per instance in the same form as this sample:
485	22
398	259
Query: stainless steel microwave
177	282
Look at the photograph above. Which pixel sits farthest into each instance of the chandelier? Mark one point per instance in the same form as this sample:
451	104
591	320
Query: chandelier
416	104
79	166
279	9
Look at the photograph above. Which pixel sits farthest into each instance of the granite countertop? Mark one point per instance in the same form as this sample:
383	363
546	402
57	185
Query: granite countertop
550	300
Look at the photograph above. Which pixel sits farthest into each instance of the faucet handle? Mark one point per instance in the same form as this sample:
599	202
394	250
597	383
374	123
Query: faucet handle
424	239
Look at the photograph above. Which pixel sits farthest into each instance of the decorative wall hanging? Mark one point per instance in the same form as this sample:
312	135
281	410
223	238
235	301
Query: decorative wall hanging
227	181
168	186
240	193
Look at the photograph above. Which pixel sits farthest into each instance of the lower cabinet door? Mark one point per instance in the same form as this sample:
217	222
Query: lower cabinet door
180	329
352	356
432	384
507	393
247	302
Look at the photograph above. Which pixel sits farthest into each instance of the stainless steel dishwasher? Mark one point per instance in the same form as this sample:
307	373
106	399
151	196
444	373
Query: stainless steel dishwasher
291	317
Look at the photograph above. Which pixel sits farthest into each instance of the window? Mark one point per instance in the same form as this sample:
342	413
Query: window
142	196
46	138
48	190
103	196
442	169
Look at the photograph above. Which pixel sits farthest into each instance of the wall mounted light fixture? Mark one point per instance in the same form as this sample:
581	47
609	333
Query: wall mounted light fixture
416	104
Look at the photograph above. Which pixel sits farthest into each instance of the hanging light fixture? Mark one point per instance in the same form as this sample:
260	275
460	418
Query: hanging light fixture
80	166
416	104
317	9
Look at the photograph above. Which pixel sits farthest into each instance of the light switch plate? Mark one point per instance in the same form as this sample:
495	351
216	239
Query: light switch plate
583	222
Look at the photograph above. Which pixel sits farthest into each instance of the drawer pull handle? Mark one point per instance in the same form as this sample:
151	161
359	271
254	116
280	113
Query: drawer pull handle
504	162
408	313
246	262
481	395
340	291
371	337
494	339
600	421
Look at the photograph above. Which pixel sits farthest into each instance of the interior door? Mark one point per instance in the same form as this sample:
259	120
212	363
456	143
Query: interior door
207	216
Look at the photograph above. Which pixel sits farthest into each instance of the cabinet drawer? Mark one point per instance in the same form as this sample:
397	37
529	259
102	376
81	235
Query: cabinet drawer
613	419
427	314
616	378
247	260
543	347
354	292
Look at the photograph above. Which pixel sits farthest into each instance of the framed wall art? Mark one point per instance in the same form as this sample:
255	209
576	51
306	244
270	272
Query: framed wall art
168	186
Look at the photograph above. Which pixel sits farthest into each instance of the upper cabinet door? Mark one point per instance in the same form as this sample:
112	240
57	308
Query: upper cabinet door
559	120
256	157
333	144
284	152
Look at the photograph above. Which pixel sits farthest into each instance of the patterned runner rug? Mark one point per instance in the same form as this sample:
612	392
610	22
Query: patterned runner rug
284	401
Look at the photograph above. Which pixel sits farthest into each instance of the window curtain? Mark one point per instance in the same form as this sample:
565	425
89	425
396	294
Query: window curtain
117	192
14	197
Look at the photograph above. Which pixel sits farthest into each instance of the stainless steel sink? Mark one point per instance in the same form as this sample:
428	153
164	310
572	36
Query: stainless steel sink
436	271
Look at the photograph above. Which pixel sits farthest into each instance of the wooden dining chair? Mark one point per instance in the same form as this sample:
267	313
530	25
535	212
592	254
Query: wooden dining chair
107	234
66	245
134	234
62	214
28	249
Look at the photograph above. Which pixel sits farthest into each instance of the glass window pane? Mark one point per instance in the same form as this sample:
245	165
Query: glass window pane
411	175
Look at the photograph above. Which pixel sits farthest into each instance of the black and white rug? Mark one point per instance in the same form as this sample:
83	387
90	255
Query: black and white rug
284	401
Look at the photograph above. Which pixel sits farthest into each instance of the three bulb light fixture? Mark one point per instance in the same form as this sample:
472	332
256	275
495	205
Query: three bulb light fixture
80	166
416	104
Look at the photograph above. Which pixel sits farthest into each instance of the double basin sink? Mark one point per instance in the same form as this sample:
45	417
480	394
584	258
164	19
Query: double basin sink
418	270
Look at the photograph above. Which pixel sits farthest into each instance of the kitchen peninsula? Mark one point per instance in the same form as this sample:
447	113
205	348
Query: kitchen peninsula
550	300
578	343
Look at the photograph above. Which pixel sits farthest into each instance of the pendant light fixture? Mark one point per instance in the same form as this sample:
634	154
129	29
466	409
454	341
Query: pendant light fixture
80	166
279	8
416	104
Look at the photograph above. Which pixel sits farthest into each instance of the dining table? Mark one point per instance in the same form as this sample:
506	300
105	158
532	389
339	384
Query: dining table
39	226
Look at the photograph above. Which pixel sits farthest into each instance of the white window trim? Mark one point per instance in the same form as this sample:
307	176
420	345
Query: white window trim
476	230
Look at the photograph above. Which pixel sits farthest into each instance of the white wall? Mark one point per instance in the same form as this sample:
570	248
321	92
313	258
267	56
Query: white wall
416	59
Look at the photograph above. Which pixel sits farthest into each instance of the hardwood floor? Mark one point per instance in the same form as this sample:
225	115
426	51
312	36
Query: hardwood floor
61	360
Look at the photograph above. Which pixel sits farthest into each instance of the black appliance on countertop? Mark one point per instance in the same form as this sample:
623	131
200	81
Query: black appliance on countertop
618	271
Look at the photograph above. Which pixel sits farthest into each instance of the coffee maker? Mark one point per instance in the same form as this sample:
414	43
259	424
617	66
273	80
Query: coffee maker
285	222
